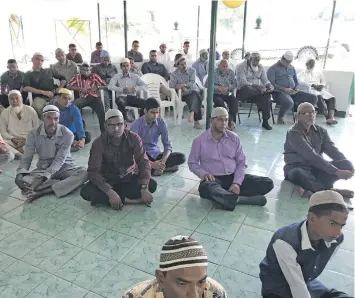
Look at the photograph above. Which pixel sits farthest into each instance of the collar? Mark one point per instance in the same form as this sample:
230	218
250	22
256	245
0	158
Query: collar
62	108
210	137
13	75
145	123
128	74
306	242
58	132
109	139
301	127
154	63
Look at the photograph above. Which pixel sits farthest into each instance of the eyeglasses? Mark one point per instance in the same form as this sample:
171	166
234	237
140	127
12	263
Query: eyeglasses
309	113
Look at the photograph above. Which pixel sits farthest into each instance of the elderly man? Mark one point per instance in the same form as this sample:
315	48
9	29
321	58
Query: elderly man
6	154
225	84
71	118
73	55
88	85
16	122
282	75
218	159
11	80
184	79
56	171
40	82
96	55
119	169
64	67
106	70
226	56
254	86
201	65
127	86
180	275
315	81
150	127
134	53
163	55
185	51
304	164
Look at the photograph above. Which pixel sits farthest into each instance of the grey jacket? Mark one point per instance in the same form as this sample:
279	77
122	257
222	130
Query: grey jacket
246	76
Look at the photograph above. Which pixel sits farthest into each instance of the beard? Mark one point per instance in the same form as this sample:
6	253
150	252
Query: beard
17	109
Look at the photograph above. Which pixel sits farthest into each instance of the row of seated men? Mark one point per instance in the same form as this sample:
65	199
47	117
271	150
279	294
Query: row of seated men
119	172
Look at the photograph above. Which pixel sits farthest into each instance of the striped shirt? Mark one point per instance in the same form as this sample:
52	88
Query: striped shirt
94	81
224	79
187	77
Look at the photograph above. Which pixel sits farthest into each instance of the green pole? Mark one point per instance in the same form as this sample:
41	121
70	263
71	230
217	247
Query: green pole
212	60
125	24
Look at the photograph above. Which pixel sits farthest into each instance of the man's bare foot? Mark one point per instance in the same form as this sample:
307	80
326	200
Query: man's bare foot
32	195
303	193
18	156
231	126
332	121
197	125
191	118
346	193
172	169
157	173
280	121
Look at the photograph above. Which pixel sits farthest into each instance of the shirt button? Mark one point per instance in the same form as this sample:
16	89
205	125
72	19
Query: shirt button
309	278
315	267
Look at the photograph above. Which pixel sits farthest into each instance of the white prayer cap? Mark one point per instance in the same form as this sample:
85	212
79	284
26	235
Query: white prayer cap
219	111
288	56
37	54
50	109
113	113
125	60
326	197
15	92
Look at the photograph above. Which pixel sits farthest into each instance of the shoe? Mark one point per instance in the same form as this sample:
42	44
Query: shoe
254	201
197	125
266	125
332	122
228	201
280	121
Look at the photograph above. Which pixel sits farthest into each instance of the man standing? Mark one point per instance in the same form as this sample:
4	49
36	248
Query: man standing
162	55
73	55
200	65
119	169
150	127
134	53
282	75
64	67
218	159
16	122
254	86
71	118
40	82
88	85
96	55
56	171
11	80
127	86
304	163
185	51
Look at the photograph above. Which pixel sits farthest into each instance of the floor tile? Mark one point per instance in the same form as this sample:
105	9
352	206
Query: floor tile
7	228
211	268
7	184
120	279
7	204
50	201
349	240
92	295
182	184
76	208
186	173
161	180
81	234
86	269
113	245
51	255
338	281
191	201
144	256
19	279
6	261
168	195
280	193
25	214
253	237
263	220
185	218
215	248
21	242
56	287
342	262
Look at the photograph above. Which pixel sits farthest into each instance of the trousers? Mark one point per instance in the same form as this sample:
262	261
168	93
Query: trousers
131	101
325	105
329	294
231	101
254	95
194	102
313	179
125	189
174	159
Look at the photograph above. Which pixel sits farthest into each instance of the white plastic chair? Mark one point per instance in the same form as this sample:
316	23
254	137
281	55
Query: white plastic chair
114	105
153	82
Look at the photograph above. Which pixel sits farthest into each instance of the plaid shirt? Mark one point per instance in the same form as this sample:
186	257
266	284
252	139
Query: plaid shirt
94	81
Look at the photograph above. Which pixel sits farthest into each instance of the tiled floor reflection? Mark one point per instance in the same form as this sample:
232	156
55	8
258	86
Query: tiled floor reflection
67	248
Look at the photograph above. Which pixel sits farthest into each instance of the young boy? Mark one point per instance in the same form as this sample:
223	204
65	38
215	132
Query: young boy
298	253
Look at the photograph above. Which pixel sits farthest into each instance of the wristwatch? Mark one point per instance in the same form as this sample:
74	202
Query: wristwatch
144	186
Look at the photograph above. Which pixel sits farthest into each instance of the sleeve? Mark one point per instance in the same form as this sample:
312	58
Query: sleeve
322	79
80	58
141	158
295	78
27	79
145	68
29	151
303	148
4	118
287	259
302	79
173	80
135	126
194	159
240	163
99	81
73	81
165	73
271	75
140	85
241	76
57	76
94	167
115	70
3	81
263	78
61	155
330	149
78	122
232	80
165	137
35	120
92	60
114	85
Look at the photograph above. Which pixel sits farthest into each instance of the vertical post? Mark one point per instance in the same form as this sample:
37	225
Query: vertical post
125	27
244	26
106	32
330	32
99	19
23	38
198	31
212	59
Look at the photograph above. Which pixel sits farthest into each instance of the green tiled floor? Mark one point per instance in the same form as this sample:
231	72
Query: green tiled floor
67	248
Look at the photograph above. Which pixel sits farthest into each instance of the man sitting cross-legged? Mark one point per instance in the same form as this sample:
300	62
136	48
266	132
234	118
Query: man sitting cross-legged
119	169
305	165
149	127
218	159
56	171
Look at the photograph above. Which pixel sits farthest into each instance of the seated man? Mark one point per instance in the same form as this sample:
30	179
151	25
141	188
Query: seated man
56	171
226	56
96	55
282	75
133	69
106	70
119	169
298	253
11	80
254	86
127	86
40	82
201	65
217	158
304	163
16	122
163	55
180	275
71	118
184	79
64	67
149	127
134	53
6	155
73	55
88	85
315	81
185	51
225	83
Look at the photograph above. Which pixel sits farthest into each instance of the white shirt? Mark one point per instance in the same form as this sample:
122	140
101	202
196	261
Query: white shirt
163	57
309	77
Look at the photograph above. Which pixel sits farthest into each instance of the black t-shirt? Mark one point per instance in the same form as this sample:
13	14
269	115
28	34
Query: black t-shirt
13	82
